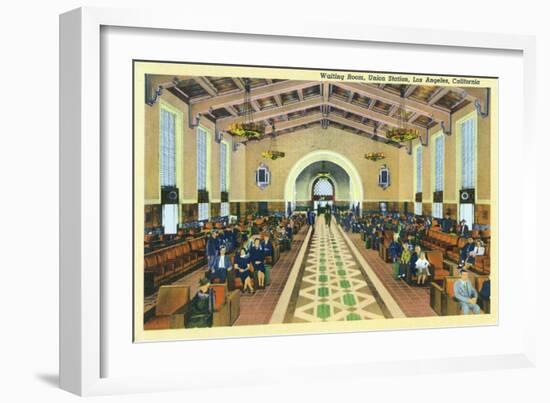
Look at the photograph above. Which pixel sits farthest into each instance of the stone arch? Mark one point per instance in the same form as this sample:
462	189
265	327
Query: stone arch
356	185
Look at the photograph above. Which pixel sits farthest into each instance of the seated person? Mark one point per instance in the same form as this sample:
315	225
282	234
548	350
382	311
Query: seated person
267	245
201	307
447	224
462	229
422	271
414	257
220	267
466	294
256	253
485	292
467	254
229	240
289	231
479	249
242	269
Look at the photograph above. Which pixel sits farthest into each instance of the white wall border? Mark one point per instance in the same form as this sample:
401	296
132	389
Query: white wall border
80	164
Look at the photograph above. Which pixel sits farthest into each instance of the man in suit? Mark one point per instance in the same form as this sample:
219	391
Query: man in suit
220	267
467	254
462	230
466	294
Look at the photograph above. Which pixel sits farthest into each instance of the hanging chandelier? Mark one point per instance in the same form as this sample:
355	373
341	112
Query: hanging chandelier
247	128
375	156
402	132
272	153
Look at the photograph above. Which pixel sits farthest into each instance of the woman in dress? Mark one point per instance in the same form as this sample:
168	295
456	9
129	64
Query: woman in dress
242	269
257	257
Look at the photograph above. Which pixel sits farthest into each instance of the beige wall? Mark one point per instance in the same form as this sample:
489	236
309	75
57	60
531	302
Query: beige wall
450	194
299	144
246	159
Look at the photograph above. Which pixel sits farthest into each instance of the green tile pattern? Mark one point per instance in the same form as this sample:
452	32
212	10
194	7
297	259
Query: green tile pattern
332	287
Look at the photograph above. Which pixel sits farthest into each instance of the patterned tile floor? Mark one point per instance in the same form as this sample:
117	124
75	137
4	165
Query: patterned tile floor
413	301
332	286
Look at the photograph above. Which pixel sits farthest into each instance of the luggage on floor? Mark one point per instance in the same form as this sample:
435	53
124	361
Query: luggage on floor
368	243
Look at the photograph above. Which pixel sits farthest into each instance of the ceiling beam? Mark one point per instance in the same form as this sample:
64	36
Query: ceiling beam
393	110
255	105
238	82
409	90
413	117
325	91
368	113
472	94
412	105
232	110
206	85
438	94
362	128
256	93
289	124
273	112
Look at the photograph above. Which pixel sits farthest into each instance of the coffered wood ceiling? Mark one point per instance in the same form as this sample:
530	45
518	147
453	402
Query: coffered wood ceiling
367	110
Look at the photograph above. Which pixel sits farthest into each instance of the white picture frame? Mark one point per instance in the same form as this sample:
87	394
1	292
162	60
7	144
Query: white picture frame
83	355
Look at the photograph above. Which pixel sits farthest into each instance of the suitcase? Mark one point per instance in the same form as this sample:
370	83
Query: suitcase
368	242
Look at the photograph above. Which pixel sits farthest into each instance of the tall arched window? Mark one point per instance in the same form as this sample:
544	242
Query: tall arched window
323	187
418	178
203	144
167	166
438	163
468	156
224	178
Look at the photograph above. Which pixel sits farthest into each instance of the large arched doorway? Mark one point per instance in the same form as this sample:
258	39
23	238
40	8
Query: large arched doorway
347	182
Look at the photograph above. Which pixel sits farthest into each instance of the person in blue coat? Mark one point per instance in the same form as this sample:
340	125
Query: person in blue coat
395	249
229	241
220	267
212	247
267	245
462	229
467	254
257	256
447	224
242	269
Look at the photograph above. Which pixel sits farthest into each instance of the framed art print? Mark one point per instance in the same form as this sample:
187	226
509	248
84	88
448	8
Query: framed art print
320	199
268	260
